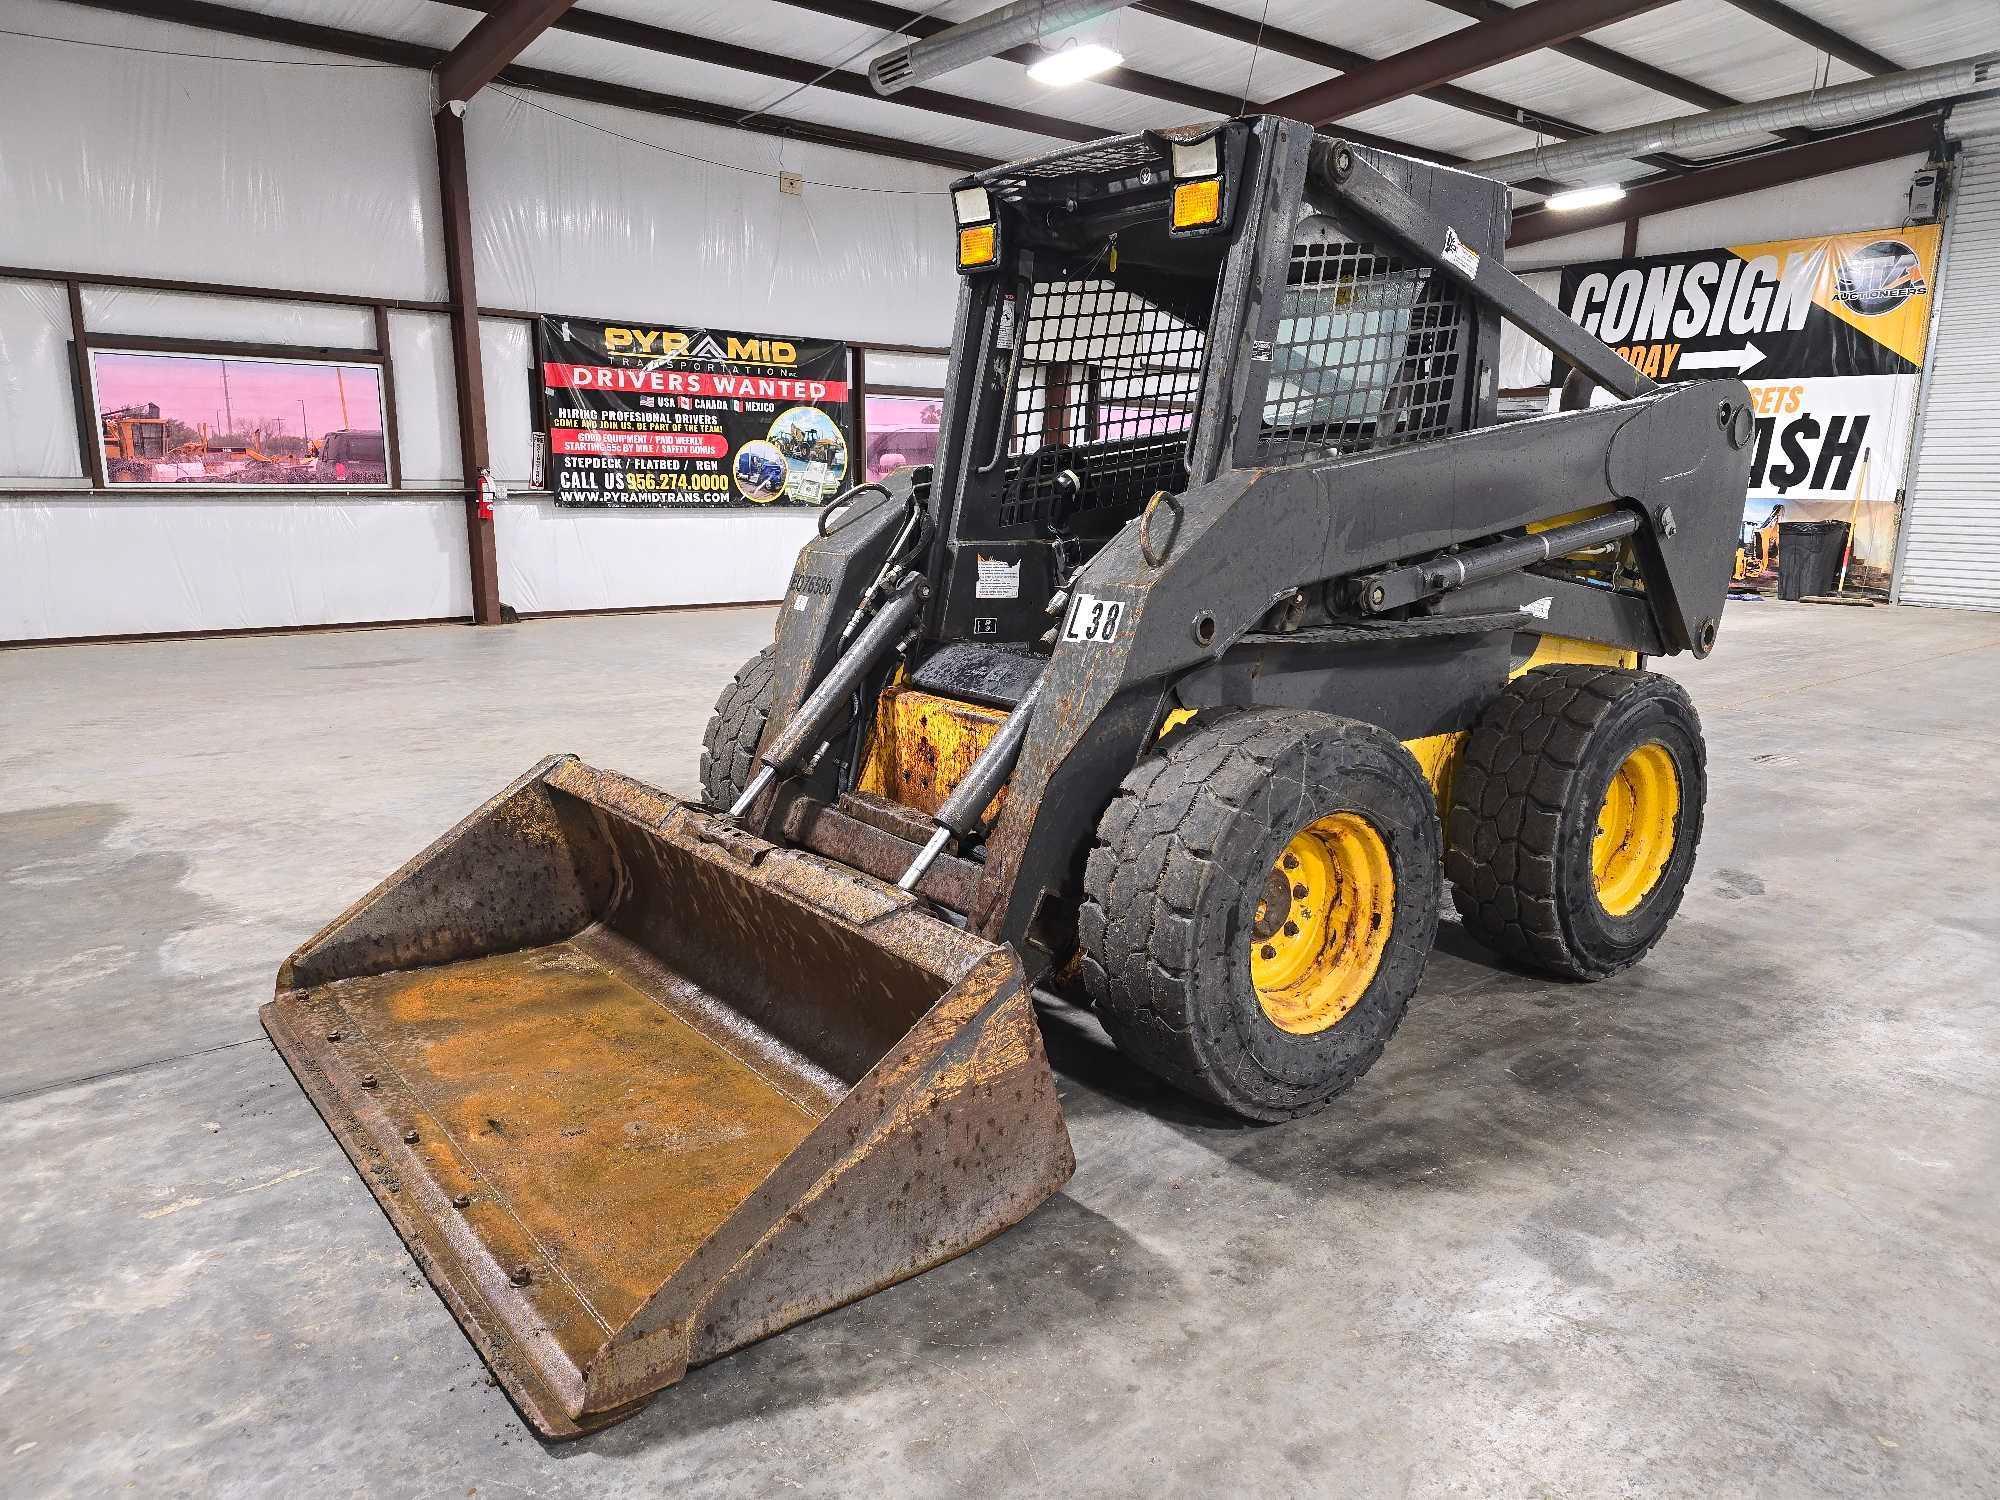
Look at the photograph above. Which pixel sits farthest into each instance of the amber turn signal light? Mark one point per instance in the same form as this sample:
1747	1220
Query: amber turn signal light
978	245
1197	203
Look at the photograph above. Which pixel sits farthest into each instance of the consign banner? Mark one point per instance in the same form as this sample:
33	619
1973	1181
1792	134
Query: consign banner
1829	335
650	415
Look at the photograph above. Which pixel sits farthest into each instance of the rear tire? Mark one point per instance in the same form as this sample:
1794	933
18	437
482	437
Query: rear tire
729	749
1576	810
1204	966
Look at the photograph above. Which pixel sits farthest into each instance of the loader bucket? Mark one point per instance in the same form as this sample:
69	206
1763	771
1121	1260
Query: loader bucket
638	1088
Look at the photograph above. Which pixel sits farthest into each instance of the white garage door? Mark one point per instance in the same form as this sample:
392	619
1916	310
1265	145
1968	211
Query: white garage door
1951	545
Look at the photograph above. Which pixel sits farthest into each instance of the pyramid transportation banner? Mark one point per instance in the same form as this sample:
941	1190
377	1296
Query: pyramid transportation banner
1829	334
650	415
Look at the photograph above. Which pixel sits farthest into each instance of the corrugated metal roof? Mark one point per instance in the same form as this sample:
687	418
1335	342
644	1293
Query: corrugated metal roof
1710	42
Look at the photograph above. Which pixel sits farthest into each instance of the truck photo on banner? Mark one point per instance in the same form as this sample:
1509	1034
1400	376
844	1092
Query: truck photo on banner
650	415
1828	333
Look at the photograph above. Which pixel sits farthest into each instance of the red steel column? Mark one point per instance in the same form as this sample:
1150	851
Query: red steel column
467	375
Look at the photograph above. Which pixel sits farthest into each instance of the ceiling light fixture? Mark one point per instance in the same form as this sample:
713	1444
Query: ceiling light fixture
1073	64
1588	197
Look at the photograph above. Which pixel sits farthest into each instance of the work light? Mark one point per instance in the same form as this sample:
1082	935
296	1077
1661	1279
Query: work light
1202	171
972	205
1196	158
978	229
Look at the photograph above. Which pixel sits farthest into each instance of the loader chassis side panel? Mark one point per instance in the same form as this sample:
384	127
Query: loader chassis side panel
1412	688
1329	521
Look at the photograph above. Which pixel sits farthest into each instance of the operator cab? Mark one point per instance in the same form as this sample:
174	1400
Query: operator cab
1090	288
1102	328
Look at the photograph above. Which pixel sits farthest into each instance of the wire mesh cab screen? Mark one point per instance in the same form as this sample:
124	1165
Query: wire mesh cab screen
1105	389
1369	352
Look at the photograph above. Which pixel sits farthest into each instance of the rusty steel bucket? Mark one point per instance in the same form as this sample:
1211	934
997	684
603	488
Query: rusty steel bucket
638	1088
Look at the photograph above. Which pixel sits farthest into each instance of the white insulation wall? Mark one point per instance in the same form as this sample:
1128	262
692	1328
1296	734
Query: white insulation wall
323	178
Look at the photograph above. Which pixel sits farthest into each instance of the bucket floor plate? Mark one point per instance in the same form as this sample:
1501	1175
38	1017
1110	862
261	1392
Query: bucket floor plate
598	1116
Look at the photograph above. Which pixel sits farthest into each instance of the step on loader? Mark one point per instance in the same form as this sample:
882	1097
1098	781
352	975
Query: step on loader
1227	628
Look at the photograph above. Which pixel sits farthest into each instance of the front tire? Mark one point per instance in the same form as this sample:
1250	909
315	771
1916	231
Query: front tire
1576	810
1259	907
729	749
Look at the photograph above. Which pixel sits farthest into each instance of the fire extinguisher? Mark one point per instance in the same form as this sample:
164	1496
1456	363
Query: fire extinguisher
487	490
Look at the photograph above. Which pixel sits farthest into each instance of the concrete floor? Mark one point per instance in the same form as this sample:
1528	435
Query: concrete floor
1726	1225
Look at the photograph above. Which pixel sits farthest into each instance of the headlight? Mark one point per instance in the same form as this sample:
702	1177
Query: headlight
971	205
1196	158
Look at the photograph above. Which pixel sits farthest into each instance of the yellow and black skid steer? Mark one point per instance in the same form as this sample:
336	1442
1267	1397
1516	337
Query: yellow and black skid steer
1227	628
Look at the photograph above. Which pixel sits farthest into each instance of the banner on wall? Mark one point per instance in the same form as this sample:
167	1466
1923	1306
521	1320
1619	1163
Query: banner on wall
651	415
1829	335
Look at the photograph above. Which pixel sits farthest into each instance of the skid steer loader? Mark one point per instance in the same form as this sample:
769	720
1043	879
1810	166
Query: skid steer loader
1226	628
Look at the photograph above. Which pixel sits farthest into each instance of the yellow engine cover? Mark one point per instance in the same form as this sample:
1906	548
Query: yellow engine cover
922	744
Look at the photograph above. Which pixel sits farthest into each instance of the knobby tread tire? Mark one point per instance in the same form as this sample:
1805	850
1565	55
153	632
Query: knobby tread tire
729	749
1524	805
1171	884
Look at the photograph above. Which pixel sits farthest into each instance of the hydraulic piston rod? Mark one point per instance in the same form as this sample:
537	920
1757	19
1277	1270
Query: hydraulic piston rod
1399	586
807	730
959	815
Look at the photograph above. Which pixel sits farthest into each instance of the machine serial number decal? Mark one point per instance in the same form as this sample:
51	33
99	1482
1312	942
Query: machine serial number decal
1093	619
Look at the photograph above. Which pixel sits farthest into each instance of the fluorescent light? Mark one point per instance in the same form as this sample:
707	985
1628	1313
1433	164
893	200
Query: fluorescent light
1074	64
1590	197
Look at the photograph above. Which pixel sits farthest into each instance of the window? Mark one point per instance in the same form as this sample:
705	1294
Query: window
1368	349
1106	390
902	432
189	418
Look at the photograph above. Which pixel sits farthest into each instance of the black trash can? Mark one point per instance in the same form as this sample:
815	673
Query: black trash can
1809	557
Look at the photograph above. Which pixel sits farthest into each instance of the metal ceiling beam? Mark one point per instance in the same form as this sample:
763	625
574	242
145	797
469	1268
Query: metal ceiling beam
1224	23
343	43
1607	60
1819	37
498	38
1774	167
1246	29
1538	24
894	18
681	44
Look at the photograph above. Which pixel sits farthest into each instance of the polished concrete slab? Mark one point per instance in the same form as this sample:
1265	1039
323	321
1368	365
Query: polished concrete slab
1725	1225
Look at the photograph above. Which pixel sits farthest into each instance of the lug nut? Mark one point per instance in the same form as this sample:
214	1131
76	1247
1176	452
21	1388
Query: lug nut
1291	929
1269	951
368	1080
1298	893
521	1276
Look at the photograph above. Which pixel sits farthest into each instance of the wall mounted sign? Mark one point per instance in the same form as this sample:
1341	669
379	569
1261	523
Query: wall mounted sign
643	414
1828	333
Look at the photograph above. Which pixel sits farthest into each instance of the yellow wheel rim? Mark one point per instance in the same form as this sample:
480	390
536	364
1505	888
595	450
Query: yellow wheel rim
1322	923
1635	829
